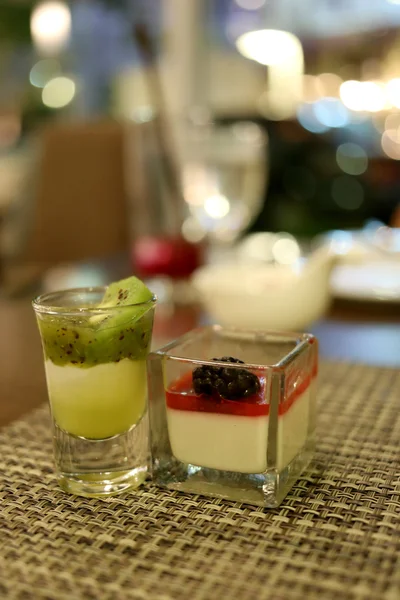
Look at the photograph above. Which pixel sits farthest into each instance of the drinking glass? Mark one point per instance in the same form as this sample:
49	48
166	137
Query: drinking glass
248	432
224	172
95	363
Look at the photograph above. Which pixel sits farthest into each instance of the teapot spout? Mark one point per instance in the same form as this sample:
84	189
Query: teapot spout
321	258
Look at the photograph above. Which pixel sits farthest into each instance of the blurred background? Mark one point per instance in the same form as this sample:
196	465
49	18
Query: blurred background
322	78
181	133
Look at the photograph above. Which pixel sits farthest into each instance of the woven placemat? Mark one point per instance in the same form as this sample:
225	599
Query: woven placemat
336	536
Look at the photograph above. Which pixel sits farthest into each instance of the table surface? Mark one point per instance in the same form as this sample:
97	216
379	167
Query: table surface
336	535
356	332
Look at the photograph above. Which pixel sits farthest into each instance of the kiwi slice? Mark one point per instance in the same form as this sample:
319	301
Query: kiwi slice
123	333
128	292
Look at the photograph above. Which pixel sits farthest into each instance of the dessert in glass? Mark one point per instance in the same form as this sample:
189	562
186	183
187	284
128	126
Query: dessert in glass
232	413
95	342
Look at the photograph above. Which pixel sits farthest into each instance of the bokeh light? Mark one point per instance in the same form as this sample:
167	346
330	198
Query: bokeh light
347	192
331	112
393	92
363	95
374	96
217	206
58	92
351	158
351	95
392	121
197	184
142	114
43	71
306	116
282	52
286	250
390	143
50	26
270	46
341	242
192	230
257	246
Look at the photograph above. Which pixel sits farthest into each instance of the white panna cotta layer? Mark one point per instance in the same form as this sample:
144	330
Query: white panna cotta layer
237	443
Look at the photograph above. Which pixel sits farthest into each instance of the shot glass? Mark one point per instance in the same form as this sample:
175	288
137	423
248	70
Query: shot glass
219	427
95	363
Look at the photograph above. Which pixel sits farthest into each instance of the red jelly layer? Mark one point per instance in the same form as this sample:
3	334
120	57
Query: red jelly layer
181	396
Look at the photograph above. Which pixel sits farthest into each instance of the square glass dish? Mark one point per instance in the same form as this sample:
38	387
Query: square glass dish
232	413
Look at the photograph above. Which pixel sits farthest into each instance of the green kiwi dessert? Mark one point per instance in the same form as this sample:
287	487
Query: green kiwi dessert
118	327
95	358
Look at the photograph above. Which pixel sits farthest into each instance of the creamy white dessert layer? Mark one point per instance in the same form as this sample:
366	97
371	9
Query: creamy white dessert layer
237	443
224	442
97	402
293	428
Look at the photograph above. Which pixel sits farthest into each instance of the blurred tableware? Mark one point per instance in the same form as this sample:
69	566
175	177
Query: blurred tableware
377	281
160	123
368	260
386	239
267	296
224	173
160	253
374	241
266	247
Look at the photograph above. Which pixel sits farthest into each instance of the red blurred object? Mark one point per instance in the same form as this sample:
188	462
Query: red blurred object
171	257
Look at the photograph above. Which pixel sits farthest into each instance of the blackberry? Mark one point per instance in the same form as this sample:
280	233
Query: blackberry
229	383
